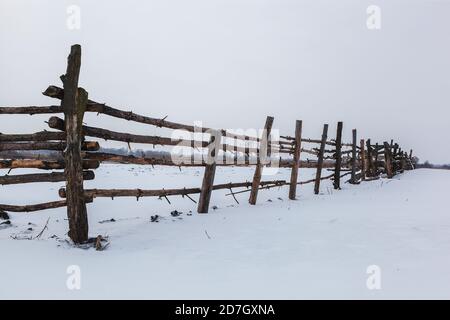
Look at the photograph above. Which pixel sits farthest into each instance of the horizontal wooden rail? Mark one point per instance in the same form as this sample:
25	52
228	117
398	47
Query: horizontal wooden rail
38	136
92	106
130	159
58	123
36	207
125	159
40	177
43	164
281	183
41	145
113	193
31	110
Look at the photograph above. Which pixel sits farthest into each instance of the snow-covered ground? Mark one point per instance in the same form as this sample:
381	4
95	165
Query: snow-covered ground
315	247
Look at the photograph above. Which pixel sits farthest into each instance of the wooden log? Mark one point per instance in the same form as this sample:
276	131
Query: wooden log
290	144
362	153
388	160
138	193
31	110
329	143
58	123
38	136
338	157
320	159
33	207
92	106
308	151
315	179
110	157
296	160
40	177
130	159
377	147
261	160
43	164
347	152
37	207
57	146
353	178
74	105
210	171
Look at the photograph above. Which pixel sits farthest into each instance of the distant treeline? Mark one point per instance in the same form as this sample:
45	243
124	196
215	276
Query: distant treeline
429	165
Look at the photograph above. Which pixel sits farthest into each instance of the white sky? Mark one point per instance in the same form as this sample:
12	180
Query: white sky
229	63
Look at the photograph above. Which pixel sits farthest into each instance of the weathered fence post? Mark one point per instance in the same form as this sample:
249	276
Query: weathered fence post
377	151
370	159
296	160
353	175
362	153
338	157
247	150
210	171
224	149
320	159
235	151
74	105
388	160
411	165
395	163
264	148
402	161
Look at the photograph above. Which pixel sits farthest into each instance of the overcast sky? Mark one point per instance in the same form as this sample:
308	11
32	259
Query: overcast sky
229	63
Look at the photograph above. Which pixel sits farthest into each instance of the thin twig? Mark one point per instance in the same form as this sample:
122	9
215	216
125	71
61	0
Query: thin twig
42	231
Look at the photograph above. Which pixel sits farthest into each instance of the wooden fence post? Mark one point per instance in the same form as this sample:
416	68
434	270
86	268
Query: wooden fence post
338	157
362	153
395	163
296	160
370	159
210	171
353	175
402	161
247	150
264	147
74	105
388	160
410	165
377	151
320	159
235	151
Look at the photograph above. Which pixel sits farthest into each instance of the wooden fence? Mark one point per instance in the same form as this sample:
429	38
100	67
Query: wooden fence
79	157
